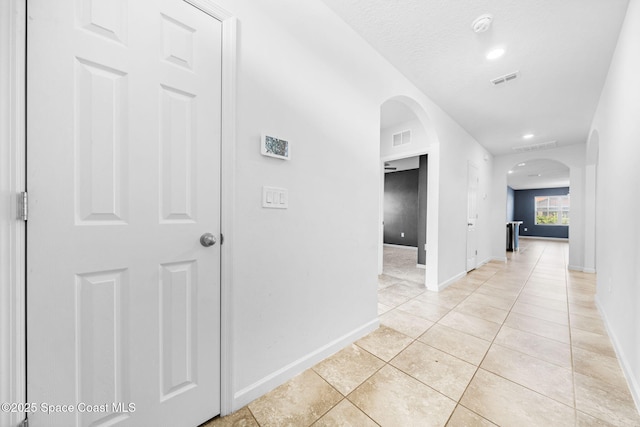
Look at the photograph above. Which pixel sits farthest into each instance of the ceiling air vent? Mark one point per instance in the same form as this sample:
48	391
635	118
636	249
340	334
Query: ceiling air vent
401	138
505	78
535	147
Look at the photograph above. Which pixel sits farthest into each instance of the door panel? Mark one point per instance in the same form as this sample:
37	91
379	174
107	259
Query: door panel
124	177
472	217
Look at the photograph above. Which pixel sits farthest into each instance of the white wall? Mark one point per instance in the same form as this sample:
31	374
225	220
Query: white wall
574	157
618	201
305	278
456	151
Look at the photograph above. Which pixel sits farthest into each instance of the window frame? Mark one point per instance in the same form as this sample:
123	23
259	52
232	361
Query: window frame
559	209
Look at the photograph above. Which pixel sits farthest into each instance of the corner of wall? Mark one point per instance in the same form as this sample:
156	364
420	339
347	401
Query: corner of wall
273	380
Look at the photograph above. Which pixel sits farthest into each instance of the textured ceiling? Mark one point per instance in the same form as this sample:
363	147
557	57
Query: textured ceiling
561	48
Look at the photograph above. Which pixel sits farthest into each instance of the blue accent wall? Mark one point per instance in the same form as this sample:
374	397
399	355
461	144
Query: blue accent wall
510	203
524	210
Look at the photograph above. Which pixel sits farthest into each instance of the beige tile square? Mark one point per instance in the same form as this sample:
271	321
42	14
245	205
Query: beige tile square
426	310
482	311
463	417
481	273
558	295
385	281
599	366
471	325
393	398
536	374
384	342
441	371
447	298
560	317
534	345
348	368
406	323
540	327
587	323
508	404
499	290
584	310
593	342
606	402
463	346
383	308
501	302
345	414
577	298
397	294
240	418
543	302
300	401
586	420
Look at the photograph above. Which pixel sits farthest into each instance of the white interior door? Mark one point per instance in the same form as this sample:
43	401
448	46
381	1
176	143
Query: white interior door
123	120
472	217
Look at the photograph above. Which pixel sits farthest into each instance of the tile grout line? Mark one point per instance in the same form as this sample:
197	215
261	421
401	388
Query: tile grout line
494	338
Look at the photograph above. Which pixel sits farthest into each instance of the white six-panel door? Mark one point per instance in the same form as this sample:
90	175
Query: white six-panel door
123	160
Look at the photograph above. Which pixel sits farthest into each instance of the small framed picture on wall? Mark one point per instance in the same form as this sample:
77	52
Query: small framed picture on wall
275	147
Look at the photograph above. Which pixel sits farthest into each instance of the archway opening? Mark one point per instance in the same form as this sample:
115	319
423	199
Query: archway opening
408	209
538	202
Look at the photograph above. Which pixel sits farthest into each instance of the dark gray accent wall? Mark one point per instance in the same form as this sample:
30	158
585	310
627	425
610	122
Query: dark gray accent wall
422	210
524	210
401	208
510	203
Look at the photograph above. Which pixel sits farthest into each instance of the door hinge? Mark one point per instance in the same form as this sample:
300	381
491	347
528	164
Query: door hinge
23	206
24	423
221	239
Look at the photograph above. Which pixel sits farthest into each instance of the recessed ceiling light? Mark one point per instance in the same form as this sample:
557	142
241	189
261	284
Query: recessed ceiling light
528	136
495	53
521	164
510	172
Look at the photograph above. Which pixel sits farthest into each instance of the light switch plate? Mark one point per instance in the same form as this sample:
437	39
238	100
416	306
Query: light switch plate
275	197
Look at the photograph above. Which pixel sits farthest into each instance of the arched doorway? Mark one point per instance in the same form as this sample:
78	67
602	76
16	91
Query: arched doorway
539	198
408	220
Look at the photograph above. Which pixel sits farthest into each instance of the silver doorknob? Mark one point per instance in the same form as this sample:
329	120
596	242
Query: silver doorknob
207	239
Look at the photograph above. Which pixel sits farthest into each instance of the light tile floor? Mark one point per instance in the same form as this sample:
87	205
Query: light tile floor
511	344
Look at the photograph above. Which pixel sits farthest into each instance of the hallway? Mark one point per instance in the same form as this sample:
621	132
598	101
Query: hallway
516	343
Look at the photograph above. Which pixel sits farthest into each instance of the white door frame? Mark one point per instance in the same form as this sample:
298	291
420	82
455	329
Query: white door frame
12	181
13	16
475	240
431	262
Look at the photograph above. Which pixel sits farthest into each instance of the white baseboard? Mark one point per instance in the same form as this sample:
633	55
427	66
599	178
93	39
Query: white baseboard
559	239
391	245
589	270
443	285
273	380
422	266
634	385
